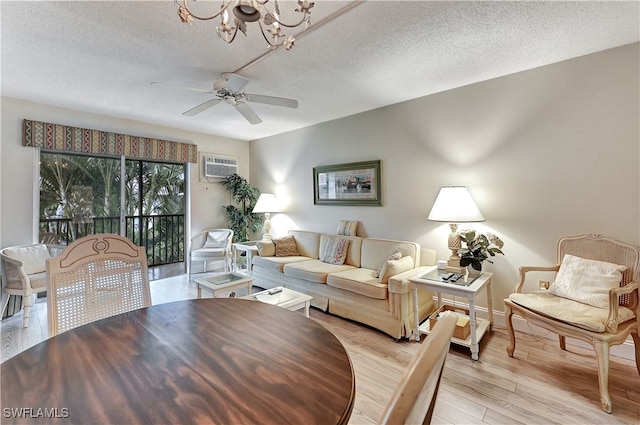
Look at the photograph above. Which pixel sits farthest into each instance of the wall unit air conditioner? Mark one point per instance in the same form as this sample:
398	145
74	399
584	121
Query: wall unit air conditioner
219	167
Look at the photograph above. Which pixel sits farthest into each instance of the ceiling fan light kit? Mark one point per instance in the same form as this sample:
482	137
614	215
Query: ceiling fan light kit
251	11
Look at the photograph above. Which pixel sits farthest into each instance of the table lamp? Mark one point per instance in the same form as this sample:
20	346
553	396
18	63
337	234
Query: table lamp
266	204
454	205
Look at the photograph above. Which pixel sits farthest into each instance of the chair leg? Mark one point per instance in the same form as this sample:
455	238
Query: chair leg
563	342
602	356
636	343
190	266
508	314
26	299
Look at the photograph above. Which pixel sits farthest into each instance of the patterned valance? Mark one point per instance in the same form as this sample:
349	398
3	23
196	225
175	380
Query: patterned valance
82	140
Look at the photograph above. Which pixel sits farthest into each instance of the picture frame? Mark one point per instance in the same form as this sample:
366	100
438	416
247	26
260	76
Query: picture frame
354	183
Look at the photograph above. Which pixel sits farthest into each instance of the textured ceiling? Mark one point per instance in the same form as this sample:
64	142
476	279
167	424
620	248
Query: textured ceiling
101	56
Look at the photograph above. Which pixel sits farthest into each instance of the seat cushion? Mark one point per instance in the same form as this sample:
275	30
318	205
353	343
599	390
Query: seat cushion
361	281
313	270
208	253
277	263
33	257
586	281
584	316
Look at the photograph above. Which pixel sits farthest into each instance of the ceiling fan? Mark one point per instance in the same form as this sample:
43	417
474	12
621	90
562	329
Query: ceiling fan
231	91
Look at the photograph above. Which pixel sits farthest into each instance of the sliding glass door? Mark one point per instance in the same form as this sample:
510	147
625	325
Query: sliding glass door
82	195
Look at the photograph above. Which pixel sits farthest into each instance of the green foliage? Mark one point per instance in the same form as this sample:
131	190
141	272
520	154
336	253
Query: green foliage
240	217
479	248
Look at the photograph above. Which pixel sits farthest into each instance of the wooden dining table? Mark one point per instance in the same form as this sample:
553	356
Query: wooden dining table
205	361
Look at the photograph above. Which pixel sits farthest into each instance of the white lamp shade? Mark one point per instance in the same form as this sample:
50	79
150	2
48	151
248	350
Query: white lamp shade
267	203
454	204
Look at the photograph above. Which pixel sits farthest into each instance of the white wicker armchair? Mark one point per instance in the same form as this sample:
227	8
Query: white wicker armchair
602	315
23	273
211	245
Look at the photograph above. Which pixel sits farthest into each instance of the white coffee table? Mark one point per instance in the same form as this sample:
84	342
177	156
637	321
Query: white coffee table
285	298
221	283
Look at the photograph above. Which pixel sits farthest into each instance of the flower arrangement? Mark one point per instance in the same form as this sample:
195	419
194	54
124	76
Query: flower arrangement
479	248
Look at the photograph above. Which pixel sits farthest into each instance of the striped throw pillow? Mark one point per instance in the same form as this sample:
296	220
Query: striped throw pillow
335	252
347	228
286	246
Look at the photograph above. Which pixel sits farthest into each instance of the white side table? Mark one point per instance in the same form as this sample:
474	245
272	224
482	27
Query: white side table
470	292
250	248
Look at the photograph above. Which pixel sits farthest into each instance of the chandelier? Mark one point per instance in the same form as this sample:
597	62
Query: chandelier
251	11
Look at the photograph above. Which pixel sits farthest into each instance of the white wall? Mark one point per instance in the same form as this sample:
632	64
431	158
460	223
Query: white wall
548	152
18	162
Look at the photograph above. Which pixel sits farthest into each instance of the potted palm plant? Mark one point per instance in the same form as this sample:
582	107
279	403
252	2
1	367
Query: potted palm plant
239	215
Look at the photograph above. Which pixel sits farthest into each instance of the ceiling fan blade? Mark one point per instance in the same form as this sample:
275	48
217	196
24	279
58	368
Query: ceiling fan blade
182	87
271	100
236	83
201	107
247	112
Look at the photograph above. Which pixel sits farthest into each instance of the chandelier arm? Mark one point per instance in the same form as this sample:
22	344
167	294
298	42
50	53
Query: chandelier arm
235	31
183	4
267	39
304	18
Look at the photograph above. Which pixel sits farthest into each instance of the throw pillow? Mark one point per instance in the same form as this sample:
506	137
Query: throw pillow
216	240
394	267
286	246
335	252
586	281
395	255
347	228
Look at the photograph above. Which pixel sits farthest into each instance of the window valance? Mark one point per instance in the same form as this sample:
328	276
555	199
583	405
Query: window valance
59	137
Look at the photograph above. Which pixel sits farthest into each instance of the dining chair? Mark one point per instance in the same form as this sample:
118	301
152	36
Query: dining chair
414	398
211	245
23	271
95	277
593	298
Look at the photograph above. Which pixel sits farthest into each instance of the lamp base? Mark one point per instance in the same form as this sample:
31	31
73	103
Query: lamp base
453	266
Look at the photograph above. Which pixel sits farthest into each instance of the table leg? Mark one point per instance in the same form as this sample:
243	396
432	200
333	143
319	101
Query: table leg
199	290
235	259
489	305
249	258
306	308
472	319
416	315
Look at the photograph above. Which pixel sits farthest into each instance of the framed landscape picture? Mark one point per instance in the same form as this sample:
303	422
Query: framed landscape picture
355	183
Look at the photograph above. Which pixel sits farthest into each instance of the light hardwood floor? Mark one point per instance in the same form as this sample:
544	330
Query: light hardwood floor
541	385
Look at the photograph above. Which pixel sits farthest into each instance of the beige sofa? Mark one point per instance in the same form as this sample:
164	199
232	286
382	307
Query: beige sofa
351	290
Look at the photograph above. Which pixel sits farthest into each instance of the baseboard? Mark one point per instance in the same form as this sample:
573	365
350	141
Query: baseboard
625	350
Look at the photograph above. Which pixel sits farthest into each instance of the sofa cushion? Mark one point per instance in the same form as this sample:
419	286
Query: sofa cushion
33	257
586	281
395	255
308	243
286	247
335	251
394	267
572	312
313	270
347	228
266	248
276	263
359	281
375	251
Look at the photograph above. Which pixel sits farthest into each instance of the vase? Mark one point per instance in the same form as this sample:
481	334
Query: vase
471	272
